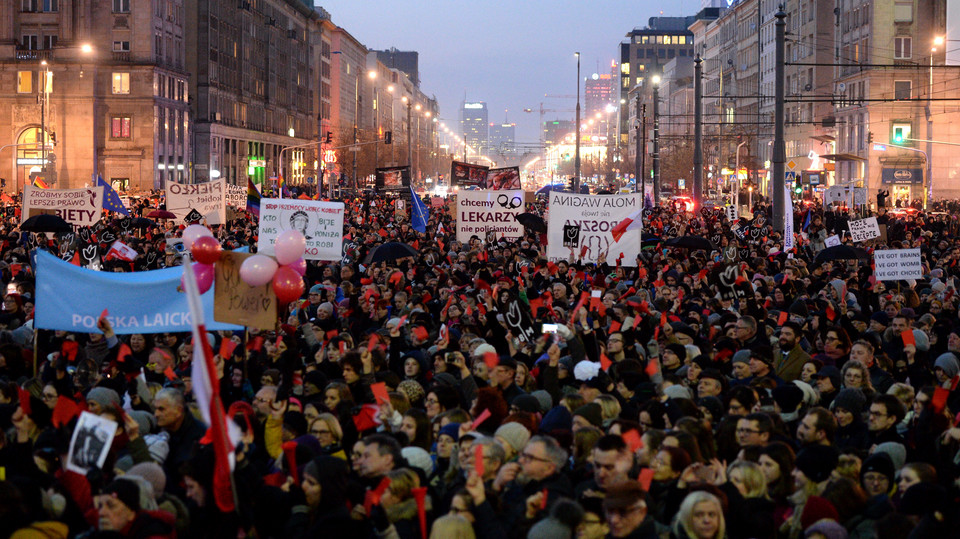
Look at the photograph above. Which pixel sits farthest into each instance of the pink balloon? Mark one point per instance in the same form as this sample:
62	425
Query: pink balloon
194	232
299	266
289	246
257	270
287	285
204	276
206	250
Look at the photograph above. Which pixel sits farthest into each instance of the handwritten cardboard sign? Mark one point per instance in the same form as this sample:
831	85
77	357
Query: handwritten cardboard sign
236	302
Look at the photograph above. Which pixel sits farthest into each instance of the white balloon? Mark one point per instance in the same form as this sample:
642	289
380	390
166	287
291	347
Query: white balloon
192	233
258	270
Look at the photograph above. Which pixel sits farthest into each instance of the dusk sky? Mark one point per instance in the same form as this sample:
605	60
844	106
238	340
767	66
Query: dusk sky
508	54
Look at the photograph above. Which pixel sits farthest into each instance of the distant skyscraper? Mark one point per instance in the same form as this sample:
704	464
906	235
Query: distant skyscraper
406	61
501	137
599	91
554	131
473	124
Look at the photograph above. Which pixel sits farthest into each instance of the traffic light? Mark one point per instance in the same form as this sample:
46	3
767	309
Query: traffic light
869	136
798	187
388	137
898	135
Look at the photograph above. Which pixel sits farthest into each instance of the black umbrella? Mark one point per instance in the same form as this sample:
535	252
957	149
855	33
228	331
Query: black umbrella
841	252
650	241
142	222
532	222
691	242
390	251
161	214
46	223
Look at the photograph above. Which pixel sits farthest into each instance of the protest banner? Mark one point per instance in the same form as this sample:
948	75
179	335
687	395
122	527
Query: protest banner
502	178
79	207
437	202
788	239
71	298
596	215
571	236
236	302
864	229
90	443
859	195
237	196
208	199
832	241
467	174
480	212
897	264
321	223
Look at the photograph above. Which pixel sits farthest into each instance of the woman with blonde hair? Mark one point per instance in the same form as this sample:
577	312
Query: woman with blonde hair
700	517
326	429
754	516
401	506
609	408
452	527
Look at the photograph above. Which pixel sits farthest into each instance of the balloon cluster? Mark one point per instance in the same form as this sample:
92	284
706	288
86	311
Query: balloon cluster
286	271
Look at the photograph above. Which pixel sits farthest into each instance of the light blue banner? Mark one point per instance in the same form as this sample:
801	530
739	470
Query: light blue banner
72	298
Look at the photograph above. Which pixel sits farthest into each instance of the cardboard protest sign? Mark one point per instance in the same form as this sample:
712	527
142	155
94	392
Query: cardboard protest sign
897	264
864	229
236	302
571	236
208	199
79	207
237	196
480	212
90	443
321	223
596	215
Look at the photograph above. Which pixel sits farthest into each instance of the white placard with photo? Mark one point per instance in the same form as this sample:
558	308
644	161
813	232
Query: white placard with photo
90	443
320	222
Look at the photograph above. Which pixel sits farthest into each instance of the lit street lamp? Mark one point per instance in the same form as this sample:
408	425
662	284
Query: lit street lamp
576	160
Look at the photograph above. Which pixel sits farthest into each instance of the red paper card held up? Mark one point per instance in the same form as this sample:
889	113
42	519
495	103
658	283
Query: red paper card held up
645	478
379	390
633	439
605	362
908	338
478	460
939	400
783	318
480	419
491	359
543	501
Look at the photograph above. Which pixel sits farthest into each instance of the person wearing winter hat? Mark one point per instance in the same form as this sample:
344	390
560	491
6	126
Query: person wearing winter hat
815	463
672	358
418	457
741	367
544	399
513	437
816	509
525	403
102	398
848	408
626	508
590	414
828	383
711	384
826	529
877	474
788	399
119	510
945	368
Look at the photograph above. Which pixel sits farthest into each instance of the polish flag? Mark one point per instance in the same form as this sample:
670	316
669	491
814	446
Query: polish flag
224	434
122	251
634	221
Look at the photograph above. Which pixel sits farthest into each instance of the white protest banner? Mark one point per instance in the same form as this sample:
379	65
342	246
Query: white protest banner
864	229
897	264
237	196
79	207
209	199
320	222
480	212
859	195
834	195
90	443
832	241
596	215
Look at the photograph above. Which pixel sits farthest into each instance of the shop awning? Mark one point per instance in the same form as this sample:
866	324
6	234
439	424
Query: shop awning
824	138
843	157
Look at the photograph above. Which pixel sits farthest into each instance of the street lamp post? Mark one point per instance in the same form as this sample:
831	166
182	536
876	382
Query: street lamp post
376	112
656	137
409	136
576	159
736	176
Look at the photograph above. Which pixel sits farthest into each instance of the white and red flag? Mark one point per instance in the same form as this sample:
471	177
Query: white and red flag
634	221
120	250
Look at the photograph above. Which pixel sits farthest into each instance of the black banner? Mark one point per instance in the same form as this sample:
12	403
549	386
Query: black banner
467	174
393	178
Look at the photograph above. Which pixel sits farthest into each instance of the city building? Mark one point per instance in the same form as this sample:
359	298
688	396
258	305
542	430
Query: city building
501	137
93	87
406	61
253	69
554	131
474	124
599	90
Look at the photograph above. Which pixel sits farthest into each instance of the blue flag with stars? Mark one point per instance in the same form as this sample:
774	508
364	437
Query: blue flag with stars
419	213
111	200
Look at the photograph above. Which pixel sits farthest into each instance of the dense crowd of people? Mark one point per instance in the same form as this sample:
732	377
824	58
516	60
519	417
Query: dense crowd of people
655	399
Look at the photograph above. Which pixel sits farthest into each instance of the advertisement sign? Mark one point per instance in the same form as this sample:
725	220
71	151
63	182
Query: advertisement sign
466	174
209	199
79	207
897	264
901	176
596	215
864	229
137	302
321	223
480	212
502	178
393	178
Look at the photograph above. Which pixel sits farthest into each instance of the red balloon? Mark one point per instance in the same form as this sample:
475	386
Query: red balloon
206	250
287	285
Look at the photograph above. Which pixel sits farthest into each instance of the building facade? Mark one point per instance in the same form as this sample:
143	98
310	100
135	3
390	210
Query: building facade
103	84
474	124
253	77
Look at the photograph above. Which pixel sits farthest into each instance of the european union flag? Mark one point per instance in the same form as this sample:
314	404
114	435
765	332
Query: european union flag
419	214
111	200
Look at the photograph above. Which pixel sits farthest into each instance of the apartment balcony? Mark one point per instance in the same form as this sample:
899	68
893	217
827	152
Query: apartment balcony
32	55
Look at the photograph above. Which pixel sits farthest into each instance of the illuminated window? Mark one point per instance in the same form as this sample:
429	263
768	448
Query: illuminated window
120	127
24	82
121	83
